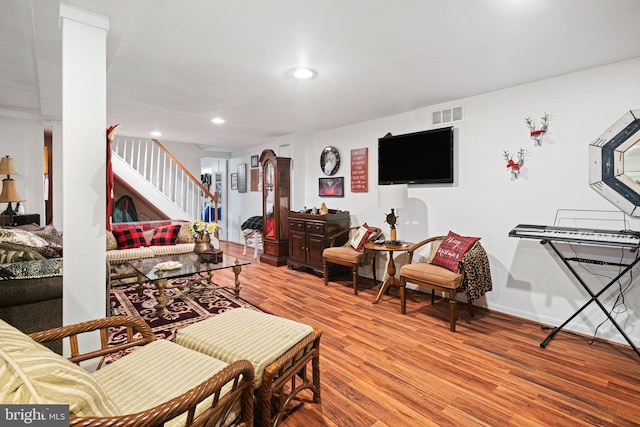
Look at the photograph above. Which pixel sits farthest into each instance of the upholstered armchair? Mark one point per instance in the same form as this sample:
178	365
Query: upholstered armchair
347	248
470	274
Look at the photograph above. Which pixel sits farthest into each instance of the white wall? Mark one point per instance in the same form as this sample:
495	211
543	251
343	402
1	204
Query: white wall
188	154
23	140
244	205
213	166
528	279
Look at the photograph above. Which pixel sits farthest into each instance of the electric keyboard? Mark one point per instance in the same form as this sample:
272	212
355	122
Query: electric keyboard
625	238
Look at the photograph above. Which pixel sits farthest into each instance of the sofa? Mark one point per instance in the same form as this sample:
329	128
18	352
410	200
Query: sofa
31	268
129	241
33	287
31	278
160	383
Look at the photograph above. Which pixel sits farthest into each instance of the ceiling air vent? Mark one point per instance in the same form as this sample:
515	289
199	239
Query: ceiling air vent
446	115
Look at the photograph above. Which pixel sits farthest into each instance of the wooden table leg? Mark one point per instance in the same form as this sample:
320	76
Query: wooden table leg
236	271
141	280
161	301
390	280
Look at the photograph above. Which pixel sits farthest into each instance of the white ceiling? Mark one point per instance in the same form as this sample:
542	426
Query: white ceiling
173	65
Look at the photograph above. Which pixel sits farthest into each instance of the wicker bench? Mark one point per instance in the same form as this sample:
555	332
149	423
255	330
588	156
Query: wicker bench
279	349
158	384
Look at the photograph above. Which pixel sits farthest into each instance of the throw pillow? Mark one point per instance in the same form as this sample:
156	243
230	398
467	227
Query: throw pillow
31	373
148	235
451	250
35	269
50	234
8	256
22	237
359	238
129	238
352	232
184	235
112	243
165	236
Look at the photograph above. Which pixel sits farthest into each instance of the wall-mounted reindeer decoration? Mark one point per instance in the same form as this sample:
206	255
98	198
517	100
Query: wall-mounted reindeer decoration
535	132
513	165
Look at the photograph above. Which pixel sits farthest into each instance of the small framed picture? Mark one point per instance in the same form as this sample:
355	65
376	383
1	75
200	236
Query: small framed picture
254	161
234	181
331	187
242	178
255	180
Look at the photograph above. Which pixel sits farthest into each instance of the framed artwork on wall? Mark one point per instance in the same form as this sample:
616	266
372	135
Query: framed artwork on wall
206	180
330	161
255	180
331	187
234	181
360	170
218	184
242	178
254	161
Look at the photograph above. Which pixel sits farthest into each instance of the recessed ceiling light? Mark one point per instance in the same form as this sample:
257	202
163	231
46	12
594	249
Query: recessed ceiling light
303	73
217	120
156	133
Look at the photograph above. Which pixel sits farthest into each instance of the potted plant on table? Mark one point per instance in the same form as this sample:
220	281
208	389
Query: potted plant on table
202	231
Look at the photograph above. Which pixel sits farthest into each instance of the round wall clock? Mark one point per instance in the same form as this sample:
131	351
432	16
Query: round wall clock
330	161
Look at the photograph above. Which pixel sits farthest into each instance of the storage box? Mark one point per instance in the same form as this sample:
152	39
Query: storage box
213	256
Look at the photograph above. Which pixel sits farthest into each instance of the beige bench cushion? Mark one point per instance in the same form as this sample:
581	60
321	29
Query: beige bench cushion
343	253
154	374
244	334
431	274
30	373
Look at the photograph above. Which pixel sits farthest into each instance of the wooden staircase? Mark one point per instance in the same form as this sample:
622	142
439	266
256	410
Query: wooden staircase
146	165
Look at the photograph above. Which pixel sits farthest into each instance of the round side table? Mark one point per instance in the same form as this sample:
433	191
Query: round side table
391	279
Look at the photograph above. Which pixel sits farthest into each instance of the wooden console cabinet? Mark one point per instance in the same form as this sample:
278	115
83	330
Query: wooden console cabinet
20	219
309	235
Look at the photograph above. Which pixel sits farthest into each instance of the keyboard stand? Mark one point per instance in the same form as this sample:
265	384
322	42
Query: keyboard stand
594	296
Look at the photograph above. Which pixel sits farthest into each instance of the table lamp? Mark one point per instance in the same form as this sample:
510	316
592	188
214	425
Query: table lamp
9	193
393	197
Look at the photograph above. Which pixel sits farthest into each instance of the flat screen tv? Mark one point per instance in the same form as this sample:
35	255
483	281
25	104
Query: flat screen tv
416	158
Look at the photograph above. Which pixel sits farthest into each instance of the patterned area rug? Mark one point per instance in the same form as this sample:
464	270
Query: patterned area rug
182	311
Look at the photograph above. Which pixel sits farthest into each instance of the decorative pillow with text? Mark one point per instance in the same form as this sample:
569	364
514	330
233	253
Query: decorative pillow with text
451	250
360	237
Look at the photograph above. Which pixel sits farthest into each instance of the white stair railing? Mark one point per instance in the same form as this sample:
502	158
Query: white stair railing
151	160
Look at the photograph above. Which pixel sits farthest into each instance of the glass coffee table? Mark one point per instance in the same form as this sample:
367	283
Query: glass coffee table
149	275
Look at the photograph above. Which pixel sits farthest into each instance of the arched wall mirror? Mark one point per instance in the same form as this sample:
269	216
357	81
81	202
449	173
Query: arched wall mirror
614	164
632	163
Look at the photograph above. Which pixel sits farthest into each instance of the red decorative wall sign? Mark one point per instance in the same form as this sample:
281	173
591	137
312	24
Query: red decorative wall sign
360	170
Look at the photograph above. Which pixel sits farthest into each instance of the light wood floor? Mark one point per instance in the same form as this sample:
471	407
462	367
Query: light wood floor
380	368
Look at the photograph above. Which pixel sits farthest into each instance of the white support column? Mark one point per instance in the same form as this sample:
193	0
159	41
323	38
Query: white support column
56	175
84	174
